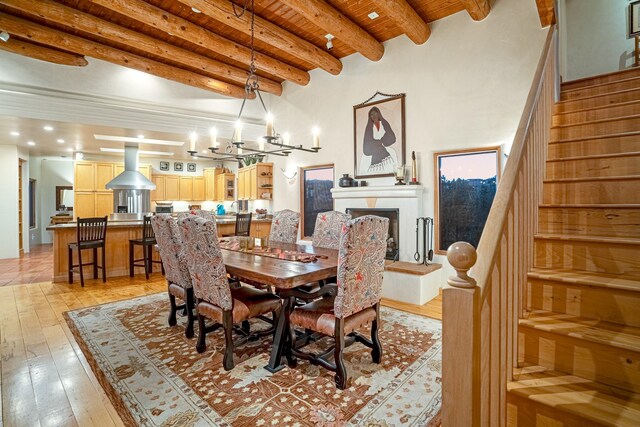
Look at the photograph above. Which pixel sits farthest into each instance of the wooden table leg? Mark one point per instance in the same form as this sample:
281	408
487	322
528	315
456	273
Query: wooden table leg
280	337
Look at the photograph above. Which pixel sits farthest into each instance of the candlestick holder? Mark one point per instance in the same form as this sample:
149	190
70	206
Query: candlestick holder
400	175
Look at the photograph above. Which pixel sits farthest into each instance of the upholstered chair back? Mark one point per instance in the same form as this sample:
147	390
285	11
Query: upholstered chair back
170	245
328	228
204	258
361	253
205	214
284	226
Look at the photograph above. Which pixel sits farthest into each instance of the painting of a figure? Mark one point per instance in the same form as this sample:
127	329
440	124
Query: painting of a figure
379	137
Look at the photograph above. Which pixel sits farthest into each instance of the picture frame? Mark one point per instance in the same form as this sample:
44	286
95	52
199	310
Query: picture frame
178	166
465	184
634	18
191	167
164	166
379	136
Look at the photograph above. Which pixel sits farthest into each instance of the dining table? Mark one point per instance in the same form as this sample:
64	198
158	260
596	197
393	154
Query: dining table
285	267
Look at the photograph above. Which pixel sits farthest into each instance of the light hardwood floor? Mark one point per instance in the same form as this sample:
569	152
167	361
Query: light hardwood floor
45	379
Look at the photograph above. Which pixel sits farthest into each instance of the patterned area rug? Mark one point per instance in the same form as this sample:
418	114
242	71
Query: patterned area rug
154	376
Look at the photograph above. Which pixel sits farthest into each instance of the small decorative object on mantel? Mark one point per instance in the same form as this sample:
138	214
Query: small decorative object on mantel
345	181
414	170
400	175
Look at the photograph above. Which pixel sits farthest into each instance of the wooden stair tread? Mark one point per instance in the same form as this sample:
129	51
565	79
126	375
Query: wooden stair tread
599	107
598	95
593	330
598	121
593	206
595	178
618	73
634	79
581	397
596	156
589	239
586	278
588	138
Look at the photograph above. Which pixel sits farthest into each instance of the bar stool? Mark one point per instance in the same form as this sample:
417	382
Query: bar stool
148	242
90	234
243	224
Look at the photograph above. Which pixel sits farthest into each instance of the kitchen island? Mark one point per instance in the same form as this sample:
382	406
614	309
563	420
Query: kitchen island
117	244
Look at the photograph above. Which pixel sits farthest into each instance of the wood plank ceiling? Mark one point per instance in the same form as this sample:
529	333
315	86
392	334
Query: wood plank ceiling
209	47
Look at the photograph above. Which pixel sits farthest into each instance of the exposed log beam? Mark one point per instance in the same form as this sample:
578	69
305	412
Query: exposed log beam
62	40
265	31
67	16
190	32
478	9
405	18
43	53
546	12
330	20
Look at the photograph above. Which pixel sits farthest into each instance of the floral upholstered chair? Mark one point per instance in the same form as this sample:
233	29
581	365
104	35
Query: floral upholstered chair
328	228
205	214
177	273
353	302
215	298
284	226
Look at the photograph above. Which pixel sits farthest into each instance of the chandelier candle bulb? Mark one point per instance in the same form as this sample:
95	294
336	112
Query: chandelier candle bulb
213	132
269	124
316	138
192	141
240	150
237	135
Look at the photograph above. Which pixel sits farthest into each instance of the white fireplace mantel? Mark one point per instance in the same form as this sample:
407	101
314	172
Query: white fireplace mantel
387	192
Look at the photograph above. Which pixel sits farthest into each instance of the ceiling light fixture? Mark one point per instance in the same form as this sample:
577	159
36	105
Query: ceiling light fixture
140	136
196	10
70	150
138	140
31	143
373	15
252	87
60	141
4	36
48	128
14	133
329	38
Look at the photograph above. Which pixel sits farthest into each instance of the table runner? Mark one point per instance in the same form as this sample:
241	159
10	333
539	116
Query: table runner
247	245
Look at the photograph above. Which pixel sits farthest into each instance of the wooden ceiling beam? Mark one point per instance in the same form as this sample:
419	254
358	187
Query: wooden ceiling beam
50	37
478	9
43	53
405	18
332	21
192	33
69	17
546	10
267	32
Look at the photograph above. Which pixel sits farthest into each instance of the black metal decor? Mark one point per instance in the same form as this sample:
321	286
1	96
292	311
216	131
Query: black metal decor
426	257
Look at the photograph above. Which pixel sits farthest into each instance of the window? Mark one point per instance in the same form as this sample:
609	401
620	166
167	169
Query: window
32	203
466	183
316	183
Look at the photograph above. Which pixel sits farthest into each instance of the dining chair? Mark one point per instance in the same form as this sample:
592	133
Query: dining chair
91	233
284	226
147	241
216	300
352	303
205	214
243	224
176	270
326	233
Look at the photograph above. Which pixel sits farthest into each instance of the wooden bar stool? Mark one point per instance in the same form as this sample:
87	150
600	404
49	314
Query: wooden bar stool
243	224
90	234
148	242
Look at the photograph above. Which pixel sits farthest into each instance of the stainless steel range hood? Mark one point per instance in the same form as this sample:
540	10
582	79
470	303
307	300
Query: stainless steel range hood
130	179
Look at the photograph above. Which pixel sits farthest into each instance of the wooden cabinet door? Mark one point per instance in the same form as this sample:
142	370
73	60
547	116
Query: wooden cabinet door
159	193
229	186
172	187
220	187
145	170
118	168
198	188
186	188
241	182
253	183
84	176
84	204
103	174
104	203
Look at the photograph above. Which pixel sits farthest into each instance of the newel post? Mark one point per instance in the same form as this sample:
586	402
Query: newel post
460	341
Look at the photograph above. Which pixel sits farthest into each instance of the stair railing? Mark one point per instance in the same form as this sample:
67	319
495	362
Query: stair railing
480	317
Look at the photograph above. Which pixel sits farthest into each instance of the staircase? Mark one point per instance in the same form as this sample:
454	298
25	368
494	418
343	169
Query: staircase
579	340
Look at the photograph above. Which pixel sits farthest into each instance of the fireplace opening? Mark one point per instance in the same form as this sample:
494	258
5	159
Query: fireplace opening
393	238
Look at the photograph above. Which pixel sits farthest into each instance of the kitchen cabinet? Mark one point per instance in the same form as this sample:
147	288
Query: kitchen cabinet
84	176
103	174
172	187
103	203
260	229
255	182
225	190
84	204
186	188
242	182
198	189
158	194
210	183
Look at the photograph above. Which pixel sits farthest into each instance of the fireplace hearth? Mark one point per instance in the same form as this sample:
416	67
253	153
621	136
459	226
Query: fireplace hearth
393	239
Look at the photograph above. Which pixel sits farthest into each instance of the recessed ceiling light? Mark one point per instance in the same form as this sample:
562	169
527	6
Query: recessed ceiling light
140	136
373	15
31	143
60	141
196	10
14	133
48	128
70	150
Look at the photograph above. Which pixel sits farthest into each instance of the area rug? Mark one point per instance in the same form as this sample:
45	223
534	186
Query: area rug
154	376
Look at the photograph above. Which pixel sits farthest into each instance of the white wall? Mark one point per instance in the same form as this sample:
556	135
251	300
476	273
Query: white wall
53	172
9	205
597	37
466	87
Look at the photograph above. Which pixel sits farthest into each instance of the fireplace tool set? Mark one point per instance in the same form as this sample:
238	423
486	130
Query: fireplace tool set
427	238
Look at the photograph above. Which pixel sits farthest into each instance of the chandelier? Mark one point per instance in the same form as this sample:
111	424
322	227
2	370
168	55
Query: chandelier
278	144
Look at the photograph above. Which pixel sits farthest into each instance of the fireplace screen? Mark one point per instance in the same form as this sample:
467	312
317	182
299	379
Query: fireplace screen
393	242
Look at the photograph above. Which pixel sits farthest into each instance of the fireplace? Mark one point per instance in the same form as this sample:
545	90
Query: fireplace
393	239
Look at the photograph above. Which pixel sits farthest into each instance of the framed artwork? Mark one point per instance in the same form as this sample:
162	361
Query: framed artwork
164	166
465	185
177	166
379	142
634	18
191	167
315	196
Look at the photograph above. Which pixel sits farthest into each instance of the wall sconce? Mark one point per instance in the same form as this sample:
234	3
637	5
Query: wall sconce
289	175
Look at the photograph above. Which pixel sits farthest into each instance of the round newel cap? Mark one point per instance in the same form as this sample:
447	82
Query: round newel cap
462	256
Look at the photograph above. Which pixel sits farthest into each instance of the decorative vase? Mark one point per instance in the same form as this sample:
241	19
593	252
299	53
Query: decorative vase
345	181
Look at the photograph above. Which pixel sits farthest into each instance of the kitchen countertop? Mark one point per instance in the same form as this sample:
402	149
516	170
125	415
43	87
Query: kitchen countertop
138	223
